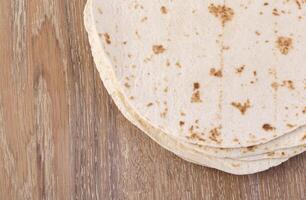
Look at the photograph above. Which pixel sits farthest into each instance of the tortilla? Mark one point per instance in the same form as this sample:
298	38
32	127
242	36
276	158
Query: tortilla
114	89
186	71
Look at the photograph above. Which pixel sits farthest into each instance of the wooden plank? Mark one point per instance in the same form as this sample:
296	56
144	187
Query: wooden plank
61	136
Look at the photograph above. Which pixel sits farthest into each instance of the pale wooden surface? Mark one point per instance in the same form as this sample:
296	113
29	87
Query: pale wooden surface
61	137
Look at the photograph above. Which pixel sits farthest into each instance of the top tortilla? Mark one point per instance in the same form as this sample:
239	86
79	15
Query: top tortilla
212	73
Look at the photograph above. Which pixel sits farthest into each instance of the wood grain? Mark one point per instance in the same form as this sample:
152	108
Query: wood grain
61	136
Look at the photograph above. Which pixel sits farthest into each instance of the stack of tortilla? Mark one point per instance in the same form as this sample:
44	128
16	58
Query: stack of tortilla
219	83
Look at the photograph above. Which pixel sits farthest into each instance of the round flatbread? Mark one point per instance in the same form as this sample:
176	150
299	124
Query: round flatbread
185	69
229	165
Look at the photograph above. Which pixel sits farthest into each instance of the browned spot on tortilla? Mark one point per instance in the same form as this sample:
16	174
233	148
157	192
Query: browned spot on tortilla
299	3
194	135
226	48
196	86
149	104
215	72
289	84
137	34
284	44
196	97
290	125
304	111
304	137
127	85
166	90
236	140
268	127
275	12
163	10
215	134
283	153
100	11
178	64
158	49
164	113
144	19
182	123
240	69
274	85
271	153
224	13
107	38
251	148
242	107
183	114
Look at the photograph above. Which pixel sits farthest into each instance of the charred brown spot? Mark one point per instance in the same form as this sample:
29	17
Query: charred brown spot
149	104
166	90
284	44
163	10
225	14
240	69
236	140
304	111
196	86
178	64
183	114
182	123
268	127
127	85
215	135
251	148
100	11
107	38
271	153
216	73
194	135
274	85
289	84
158	49
290	125
164	113
275	12
242	107
299	3
144	19
196	97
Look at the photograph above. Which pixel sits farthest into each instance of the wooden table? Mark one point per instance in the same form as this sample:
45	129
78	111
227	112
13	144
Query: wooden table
61	136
